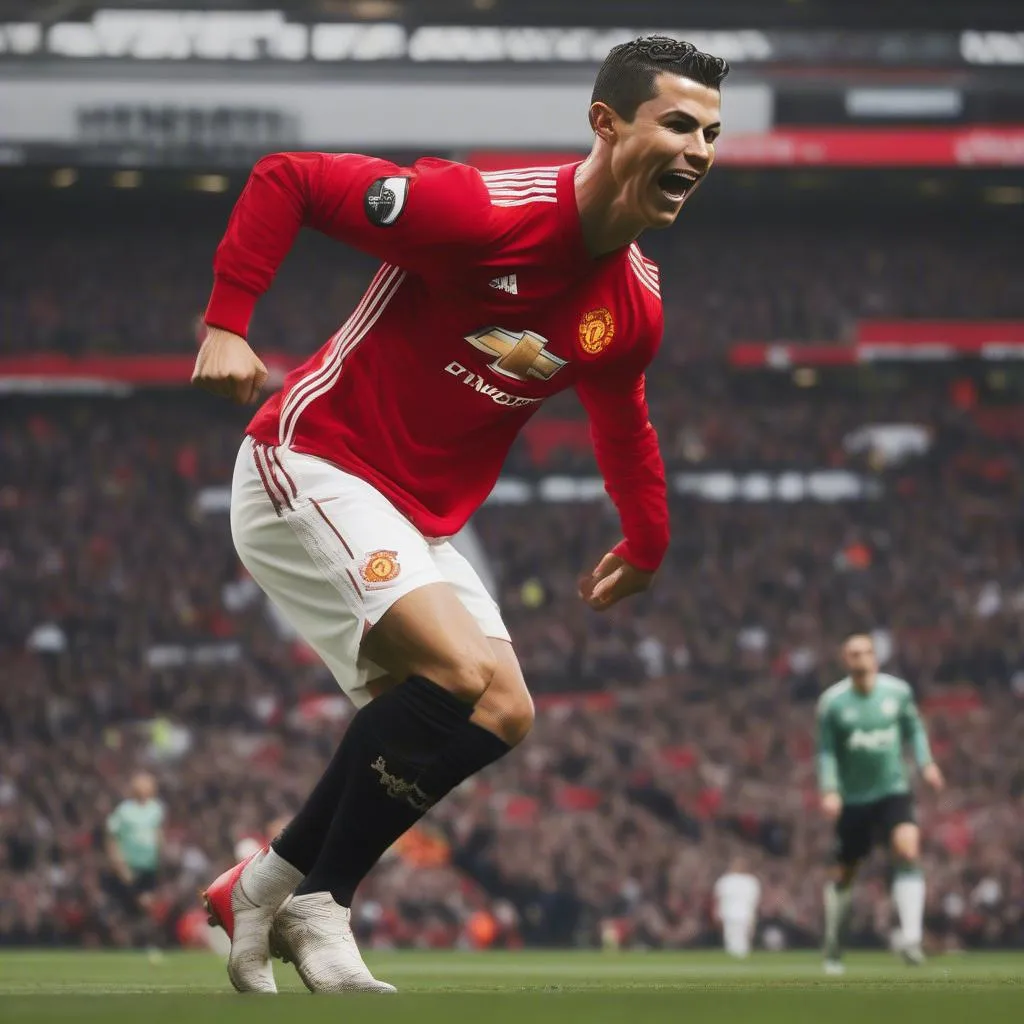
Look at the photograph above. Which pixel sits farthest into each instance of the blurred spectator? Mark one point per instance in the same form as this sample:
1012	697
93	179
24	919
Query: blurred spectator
672	734
124	274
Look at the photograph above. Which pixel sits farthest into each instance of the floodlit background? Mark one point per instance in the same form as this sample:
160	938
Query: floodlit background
839	398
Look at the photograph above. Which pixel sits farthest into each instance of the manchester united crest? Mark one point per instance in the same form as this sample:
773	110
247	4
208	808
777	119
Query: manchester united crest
597	328
380	567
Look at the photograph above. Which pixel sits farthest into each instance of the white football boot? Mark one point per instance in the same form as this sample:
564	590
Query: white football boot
913	955
315	933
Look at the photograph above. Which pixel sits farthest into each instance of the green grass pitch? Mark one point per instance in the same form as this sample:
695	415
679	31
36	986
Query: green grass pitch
524	988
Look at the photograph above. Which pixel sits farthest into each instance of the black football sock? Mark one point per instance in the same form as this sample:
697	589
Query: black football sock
300	840
431	711
471	750
385	795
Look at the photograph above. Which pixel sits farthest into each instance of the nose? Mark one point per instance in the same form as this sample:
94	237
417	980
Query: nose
697	151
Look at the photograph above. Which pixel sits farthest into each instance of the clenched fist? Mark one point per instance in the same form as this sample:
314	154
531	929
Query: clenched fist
228	367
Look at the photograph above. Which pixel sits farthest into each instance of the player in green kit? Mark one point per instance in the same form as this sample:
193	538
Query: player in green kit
863	722
134	839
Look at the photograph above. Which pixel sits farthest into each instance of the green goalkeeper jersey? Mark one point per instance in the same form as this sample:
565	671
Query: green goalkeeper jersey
861	737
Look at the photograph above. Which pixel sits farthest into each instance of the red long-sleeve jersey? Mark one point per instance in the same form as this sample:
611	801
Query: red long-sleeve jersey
487	302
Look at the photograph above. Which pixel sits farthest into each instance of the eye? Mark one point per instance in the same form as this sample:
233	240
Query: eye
711	136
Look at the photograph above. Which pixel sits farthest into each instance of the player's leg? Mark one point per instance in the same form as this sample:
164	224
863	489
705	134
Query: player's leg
736	934
908	886
298	840
853	843
244	899
838	896
500	719
135	900
505	711
380	804
386	791
297	553
144	890
338	529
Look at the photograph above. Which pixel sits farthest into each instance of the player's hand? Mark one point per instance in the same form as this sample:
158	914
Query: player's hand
227	366
611	581
932	774
831	805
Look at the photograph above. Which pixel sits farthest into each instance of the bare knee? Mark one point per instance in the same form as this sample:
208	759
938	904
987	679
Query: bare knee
906	843
520	717
506	709
508	715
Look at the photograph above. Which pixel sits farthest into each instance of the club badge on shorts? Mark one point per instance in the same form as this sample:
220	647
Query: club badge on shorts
597	328
380	567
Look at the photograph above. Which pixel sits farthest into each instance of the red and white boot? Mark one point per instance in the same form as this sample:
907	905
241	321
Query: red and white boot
243	902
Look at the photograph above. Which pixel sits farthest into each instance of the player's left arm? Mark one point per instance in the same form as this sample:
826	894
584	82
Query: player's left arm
113	846
626	447
160	830
913	731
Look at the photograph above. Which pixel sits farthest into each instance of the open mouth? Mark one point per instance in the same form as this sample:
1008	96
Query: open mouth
675	184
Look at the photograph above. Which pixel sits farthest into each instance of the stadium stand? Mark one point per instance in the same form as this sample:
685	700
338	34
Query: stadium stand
92	278
671	734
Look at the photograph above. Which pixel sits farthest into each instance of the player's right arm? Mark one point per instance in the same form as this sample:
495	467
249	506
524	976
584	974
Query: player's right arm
828	766
425	218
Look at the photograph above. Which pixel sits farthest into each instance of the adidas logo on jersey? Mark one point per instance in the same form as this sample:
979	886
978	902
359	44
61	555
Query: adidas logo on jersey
507	283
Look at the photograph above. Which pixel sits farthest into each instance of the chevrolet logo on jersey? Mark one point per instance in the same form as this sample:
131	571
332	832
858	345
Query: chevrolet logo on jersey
873	740
519	356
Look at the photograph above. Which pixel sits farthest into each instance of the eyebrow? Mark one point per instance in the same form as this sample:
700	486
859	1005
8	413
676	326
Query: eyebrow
683	115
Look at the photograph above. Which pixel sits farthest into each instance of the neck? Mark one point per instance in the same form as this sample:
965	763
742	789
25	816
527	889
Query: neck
865	682
606	222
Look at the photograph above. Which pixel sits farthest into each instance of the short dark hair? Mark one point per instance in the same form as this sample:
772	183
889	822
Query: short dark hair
628	74
860	634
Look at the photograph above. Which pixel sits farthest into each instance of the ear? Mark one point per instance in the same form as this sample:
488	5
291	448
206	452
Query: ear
604	121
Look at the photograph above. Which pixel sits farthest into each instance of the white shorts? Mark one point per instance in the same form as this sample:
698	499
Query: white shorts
334	555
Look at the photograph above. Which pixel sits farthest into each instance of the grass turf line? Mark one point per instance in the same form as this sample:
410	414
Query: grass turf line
525	988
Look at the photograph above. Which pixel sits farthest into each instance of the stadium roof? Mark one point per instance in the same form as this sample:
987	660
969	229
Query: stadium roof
869	14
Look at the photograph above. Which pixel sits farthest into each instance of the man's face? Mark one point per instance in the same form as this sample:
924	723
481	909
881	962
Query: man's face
661	156
859	655
143	787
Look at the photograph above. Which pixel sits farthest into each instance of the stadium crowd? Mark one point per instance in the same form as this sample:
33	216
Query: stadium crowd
672	733
132	276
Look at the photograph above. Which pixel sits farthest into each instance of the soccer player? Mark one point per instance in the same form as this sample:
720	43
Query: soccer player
863	722
737	897
134	840
496	291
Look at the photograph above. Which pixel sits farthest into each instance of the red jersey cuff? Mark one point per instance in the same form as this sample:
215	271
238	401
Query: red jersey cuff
230	307
646	560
